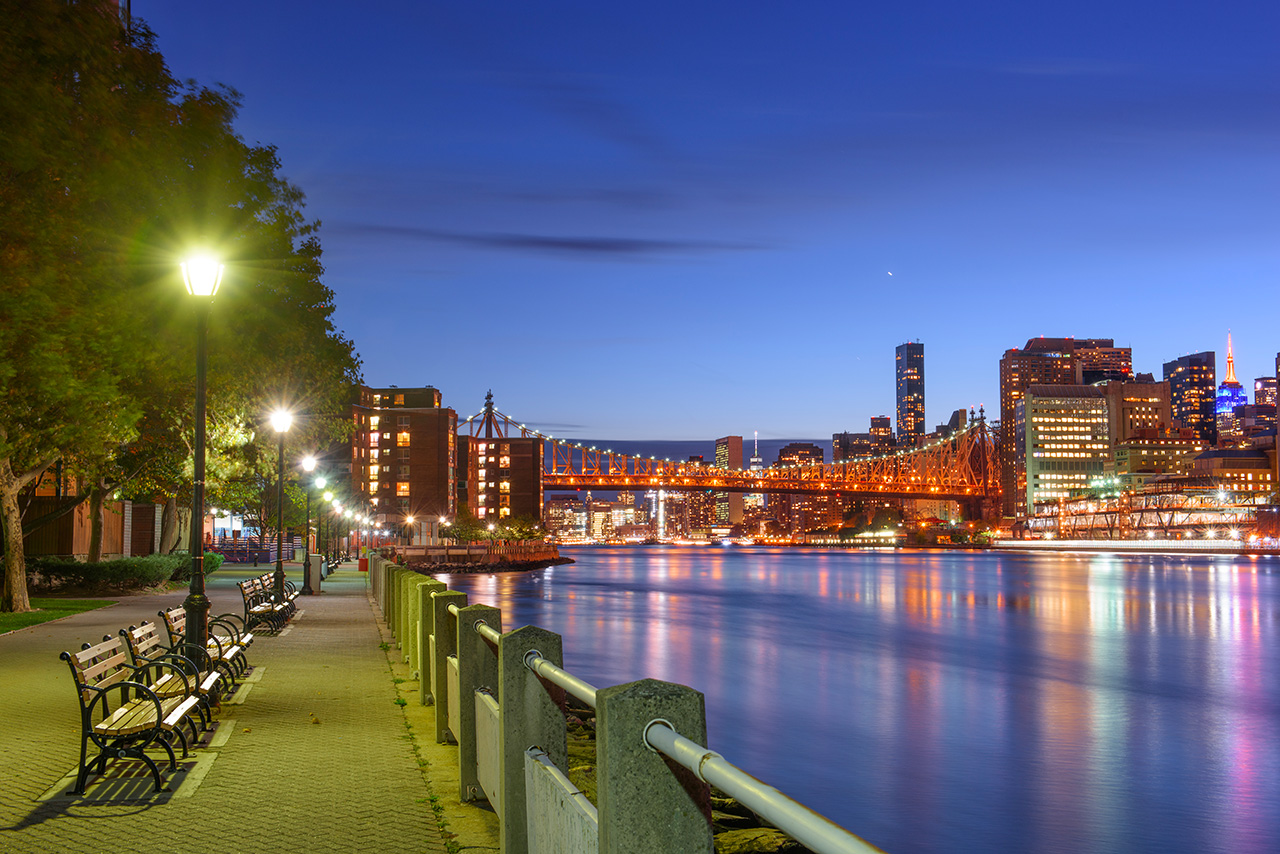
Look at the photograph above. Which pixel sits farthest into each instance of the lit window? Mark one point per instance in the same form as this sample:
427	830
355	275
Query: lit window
402	488
482	447
504	462
373	439
399	400
373	472
402	439
481	474
504	486
505	511
373	421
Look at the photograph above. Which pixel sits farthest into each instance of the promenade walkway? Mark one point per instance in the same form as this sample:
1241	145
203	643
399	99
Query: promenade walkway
314	757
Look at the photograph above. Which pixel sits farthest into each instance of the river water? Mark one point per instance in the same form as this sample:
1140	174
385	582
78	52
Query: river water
936	701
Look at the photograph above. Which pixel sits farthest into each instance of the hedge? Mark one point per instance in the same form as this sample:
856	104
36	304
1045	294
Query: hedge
50	573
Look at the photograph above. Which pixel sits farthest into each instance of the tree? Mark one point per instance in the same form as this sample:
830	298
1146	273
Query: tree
108	171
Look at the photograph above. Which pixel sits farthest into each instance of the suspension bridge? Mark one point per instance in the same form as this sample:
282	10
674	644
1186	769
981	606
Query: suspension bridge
962	466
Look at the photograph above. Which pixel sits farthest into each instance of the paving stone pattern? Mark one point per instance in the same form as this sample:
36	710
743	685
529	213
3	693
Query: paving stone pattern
317	760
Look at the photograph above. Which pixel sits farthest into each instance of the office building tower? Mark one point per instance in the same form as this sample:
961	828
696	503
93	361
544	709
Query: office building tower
1264	391
1230	395
1191	393
880	428
1043	361
1134	407
909	370
403	454
800	513
1061	443
729	504
754	500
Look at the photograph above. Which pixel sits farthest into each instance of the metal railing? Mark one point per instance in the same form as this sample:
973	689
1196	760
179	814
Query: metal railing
497	695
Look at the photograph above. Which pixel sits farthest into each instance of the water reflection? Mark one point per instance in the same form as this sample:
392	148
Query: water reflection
946	701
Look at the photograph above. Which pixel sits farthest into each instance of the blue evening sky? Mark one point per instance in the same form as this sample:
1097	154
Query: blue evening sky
679	220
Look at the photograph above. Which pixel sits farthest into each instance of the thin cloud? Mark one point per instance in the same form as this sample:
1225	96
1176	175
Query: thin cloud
536	243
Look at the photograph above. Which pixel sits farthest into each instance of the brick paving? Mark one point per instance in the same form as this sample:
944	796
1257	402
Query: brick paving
315	758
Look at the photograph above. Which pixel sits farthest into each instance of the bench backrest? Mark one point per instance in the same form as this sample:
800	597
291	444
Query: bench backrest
99	665
175	621
144	641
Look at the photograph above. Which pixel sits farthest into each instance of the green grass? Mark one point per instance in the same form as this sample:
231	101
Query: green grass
49	609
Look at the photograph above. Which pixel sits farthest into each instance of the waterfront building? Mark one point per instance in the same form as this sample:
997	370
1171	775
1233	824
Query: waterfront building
1191	381
1061	442
729	504
404	454
1150	453
1234	470
909	372
882	430
565	518
1043	361
1230	395
799	513
503	476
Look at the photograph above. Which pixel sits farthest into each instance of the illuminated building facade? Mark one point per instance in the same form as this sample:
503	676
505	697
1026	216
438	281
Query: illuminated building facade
729	504
1230	395
909	371
1043	361
1191	393
800	513
1062	442
1150	453
1134	406
503	477
403	453
1264	391
753	502
1234	470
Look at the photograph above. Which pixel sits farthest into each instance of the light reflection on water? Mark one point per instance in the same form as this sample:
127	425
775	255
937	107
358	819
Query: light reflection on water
954	701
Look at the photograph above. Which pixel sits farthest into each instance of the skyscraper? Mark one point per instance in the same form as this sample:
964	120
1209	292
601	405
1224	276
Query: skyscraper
1230	395
729	504
909	365
755	500
1191	397
1049	361
1264	391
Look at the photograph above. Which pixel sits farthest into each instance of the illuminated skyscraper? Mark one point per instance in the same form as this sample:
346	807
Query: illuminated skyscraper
909	365
729	504
1191	381
1230	395
1264	391
755	500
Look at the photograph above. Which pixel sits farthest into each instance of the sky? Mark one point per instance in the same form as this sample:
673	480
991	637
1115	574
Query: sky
689	220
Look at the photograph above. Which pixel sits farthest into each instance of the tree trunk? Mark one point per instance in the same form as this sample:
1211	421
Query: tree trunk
169	538
95	523
14	596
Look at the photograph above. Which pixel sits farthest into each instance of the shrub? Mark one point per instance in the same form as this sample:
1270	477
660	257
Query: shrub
49	573
212	563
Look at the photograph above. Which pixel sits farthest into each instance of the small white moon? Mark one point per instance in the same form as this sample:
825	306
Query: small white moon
891	274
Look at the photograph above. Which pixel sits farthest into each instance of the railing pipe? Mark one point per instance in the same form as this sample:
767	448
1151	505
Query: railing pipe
795	819
488	633
584	691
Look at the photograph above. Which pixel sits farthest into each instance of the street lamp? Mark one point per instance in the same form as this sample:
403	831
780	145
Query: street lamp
308	465
325	526
202	274
409	522
281	420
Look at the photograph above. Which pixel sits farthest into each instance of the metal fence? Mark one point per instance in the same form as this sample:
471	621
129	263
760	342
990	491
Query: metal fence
500	696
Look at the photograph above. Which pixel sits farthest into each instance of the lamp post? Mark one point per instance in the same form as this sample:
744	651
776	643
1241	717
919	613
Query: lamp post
308	465
202	275
324	525
348	514
281	420
408	520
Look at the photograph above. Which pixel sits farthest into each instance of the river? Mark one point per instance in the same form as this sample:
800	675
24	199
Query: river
947	701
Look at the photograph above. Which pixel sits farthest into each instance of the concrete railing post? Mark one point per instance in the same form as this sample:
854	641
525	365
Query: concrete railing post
375	582
477	668
646	803
532	716
406	599
388	602
426	628
446	644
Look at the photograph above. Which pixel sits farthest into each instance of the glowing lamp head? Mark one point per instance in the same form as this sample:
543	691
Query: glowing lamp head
281	420
321	483
328	496
202	274
409	519
308	462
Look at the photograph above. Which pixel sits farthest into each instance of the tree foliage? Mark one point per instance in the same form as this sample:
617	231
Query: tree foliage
110	171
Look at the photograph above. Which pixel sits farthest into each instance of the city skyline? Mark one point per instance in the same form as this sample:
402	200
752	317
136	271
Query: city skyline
739	220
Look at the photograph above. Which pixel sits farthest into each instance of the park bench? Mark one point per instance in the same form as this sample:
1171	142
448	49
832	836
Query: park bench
148	651
223	652
261	607
120	715
268	582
